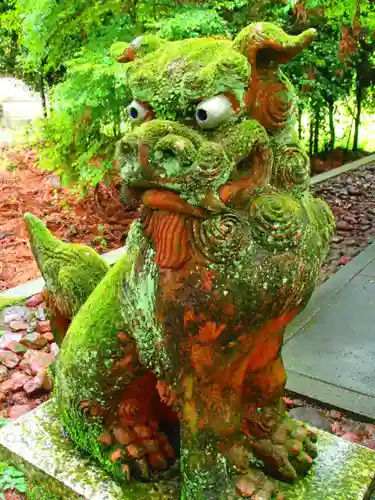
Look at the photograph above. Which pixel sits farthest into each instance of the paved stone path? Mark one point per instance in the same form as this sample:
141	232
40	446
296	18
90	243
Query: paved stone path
329	349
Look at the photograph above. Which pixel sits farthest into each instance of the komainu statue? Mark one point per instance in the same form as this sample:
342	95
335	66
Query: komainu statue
183	336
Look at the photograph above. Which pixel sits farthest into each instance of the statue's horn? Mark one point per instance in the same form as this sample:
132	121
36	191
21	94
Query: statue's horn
265	44
139	47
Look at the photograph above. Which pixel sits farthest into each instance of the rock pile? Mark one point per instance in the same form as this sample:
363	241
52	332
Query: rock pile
27	348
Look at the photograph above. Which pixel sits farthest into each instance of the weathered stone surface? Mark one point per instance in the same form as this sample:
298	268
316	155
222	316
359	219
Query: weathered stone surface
343	471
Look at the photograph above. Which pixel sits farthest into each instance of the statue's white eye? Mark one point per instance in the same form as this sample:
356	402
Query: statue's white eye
213	112
138	112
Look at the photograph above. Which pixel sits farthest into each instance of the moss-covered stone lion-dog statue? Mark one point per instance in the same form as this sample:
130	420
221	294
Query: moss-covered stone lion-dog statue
183	335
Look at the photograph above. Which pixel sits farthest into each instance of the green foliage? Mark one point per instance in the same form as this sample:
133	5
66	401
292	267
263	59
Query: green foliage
11	479
37	492
192	23
66	46
79	137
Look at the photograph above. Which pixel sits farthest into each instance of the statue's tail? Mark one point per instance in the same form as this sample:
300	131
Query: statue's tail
42	241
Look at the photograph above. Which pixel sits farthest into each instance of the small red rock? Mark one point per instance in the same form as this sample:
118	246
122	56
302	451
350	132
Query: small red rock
34	340
17	325
19	410
351	437
19	379
15	347
9	337
49	336
3	373
8	359
43	327
41	381
14	383
33	385
6	386
345	260
33	361
35	300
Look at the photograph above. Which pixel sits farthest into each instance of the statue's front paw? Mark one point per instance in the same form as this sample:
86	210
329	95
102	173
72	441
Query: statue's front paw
255	485
289	451
137	449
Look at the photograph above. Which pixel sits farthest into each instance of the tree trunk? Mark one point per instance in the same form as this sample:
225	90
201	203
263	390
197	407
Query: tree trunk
43	95
300	132
357	121
316	131
332	132
311	139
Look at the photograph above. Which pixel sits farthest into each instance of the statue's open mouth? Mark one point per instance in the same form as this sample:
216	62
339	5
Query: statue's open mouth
250	171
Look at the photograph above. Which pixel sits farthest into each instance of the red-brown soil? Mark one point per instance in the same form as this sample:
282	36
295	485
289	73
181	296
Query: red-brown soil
98	219
101	221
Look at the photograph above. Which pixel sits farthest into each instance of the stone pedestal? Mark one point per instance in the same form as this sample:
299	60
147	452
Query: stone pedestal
35	444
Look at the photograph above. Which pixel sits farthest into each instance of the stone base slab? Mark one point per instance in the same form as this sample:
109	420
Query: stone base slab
36	444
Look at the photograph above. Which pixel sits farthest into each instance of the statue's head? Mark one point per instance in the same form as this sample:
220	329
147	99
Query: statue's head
204	112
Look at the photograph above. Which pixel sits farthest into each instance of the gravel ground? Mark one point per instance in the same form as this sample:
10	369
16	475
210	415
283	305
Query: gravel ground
351	197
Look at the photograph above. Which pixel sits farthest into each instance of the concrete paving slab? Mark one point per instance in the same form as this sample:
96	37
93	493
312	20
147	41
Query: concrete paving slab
337	348
369	270
329	289
36	444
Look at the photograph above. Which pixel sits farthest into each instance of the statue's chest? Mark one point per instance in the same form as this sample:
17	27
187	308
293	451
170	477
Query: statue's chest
181	241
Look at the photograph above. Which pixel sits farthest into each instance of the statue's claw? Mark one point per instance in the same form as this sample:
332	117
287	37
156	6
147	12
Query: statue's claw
256	486
137	449
289	451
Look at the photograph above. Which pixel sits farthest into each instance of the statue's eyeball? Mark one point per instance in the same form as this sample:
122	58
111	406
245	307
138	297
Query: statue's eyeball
139	112
213	112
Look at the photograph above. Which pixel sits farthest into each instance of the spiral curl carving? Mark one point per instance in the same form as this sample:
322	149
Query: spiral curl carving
291	168
221	236
276	221
261	423
130	411
274	105
322	218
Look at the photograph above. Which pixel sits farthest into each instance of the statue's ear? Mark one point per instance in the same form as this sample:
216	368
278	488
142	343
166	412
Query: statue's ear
267	45
139	47
269	97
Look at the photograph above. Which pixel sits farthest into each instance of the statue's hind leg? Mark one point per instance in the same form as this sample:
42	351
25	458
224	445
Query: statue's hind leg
108	400
123	428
